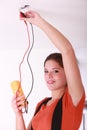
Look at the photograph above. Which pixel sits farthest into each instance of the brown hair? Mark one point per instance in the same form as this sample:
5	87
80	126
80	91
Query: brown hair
56	57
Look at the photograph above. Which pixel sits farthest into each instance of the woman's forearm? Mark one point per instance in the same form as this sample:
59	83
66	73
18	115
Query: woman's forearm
59	40
20	124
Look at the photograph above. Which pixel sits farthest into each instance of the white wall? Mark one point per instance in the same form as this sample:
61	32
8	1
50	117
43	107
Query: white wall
70	18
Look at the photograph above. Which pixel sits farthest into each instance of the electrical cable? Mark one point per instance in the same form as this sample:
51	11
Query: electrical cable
28	51
26	106
28	61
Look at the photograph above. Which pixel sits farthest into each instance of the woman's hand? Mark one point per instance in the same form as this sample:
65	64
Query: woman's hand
17	103
32	17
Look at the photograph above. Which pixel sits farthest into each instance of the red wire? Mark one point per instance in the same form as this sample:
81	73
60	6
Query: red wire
24	53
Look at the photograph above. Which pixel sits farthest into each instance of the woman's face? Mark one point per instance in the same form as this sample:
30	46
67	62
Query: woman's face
54	75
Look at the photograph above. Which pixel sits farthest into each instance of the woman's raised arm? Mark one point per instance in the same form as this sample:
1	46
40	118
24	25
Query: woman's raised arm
71	68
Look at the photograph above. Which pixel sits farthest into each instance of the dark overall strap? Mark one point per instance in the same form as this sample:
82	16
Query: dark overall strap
57	115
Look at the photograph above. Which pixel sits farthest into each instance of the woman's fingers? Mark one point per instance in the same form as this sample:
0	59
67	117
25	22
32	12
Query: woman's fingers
17	102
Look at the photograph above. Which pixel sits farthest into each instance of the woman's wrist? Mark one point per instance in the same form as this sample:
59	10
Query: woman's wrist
19	115
41	23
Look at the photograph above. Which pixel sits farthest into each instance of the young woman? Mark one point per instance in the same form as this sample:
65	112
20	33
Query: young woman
63	79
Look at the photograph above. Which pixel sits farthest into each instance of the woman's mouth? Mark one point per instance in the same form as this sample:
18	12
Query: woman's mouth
50	81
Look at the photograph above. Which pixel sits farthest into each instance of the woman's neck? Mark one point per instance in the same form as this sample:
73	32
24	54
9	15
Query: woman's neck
57	94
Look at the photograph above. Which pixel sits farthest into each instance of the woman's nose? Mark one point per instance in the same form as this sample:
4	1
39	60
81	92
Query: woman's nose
50	75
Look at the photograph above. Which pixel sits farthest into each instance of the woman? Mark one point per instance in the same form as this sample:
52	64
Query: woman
63	79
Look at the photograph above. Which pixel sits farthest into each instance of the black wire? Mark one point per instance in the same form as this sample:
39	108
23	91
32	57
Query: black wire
28	61
26	105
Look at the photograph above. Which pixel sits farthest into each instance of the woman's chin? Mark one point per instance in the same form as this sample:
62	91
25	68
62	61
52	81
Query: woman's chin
51	87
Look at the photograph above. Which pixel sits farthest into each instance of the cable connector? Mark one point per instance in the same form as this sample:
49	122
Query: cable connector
24	8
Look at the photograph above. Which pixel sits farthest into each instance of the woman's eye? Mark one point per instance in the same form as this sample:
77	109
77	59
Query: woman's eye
45	71
56	71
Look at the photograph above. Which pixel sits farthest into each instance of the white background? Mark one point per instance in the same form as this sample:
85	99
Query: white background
70	17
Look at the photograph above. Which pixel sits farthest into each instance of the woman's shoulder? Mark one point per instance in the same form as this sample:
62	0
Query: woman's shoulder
67	100
43	100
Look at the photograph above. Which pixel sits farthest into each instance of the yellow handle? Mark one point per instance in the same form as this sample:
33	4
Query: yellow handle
15	85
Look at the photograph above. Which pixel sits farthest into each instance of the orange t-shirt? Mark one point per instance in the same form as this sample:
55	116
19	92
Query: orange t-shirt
71	115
